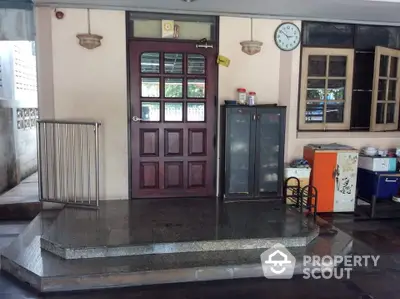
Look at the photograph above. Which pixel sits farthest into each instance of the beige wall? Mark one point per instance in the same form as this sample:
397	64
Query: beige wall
88	84
79	83
260	72
274	75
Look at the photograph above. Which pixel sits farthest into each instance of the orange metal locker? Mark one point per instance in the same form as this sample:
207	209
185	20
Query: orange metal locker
334	174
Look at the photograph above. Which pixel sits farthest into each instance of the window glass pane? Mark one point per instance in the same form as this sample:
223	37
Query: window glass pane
382	90
173	63
337	66
390	113
380	113
327	34
315	89
334	112
150	87
173	88
314	112
150	62
393	67
317	66
392	90
194	30
150	111
173	112
196	64
368	37
336	90
196	112
383	66
196	88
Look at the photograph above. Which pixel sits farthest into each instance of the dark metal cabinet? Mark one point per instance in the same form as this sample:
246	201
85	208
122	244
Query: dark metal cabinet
252	151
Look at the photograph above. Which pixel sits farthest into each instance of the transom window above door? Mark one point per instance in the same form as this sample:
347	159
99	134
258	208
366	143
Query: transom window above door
143	25
173	87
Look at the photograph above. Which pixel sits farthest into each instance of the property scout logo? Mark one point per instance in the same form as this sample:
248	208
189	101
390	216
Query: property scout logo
278	263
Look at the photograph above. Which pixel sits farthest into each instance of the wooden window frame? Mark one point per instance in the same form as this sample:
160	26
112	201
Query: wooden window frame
375	127
307	52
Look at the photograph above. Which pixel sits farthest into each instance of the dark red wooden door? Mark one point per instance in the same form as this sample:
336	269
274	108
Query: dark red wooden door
173	106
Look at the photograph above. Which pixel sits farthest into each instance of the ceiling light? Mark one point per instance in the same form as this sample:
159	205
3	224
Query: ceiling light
188	1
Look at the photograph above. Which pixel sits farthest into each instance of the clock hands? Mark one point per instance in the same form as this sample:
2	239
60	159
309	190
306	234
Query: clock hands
288	36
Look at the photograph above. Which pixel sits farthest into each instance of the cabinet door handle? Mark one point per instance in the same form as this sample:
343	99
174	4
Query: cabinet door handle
254	116
390	181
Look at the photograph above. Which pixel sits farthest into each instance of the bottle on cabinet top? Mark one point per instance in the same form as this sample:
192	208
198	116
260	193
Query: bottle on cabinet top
251	100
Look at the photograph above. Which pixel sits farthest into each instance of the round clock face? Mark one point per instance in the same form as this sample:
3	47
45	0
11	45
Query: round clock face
287	36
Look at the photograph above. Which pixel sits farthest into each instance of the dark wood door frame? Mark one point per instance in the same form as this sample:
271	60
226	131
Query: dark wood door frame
213	165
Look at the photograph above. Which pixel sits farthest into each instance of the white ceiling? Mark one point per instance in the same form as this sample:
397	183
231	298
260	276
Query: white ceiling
360	11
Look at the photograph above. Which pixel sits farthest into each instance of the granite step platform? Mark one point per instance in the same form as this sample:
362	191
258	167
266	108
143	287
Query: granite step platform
46	272
137	223
175	227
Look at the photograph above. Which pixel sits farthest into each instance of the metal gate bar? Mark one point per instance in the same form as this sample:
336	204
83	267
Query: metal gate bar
68	162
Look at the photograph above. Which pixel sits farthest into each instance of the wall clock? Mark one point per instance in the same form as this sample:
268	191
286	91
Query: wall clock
287	36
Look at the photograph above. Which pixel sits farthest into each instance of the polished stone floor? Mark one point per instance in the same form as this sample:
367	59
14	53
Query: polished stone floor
379	237
26	191
22	201
163	221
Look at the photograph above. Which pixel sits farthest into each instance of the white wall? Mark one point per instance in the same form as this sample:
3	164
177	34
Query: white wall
90	84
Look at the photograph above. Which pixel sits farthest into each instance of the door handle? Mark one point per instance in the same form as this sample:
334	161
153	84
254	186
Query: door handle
136	119
390	181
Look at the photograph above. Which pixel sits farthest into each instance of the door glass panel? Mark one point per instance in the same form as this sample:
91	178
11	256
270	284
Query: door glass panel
196	64
336	90
150	88
314	112
382	90
315	89
380	113
239	152
334	112
337	66
317	66
150	111
173	111
383	67
390	113
173	63
196	88
392	90
393	67
173	88
268	151
150	62
196	112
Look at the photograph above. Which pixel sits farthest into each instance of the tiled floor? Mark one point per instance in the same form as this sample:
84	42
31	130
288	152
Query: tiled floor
381	236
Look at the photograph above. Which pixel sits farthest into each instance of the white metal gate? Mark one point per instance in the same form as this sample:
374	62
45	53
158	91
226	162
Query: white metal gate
68	162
